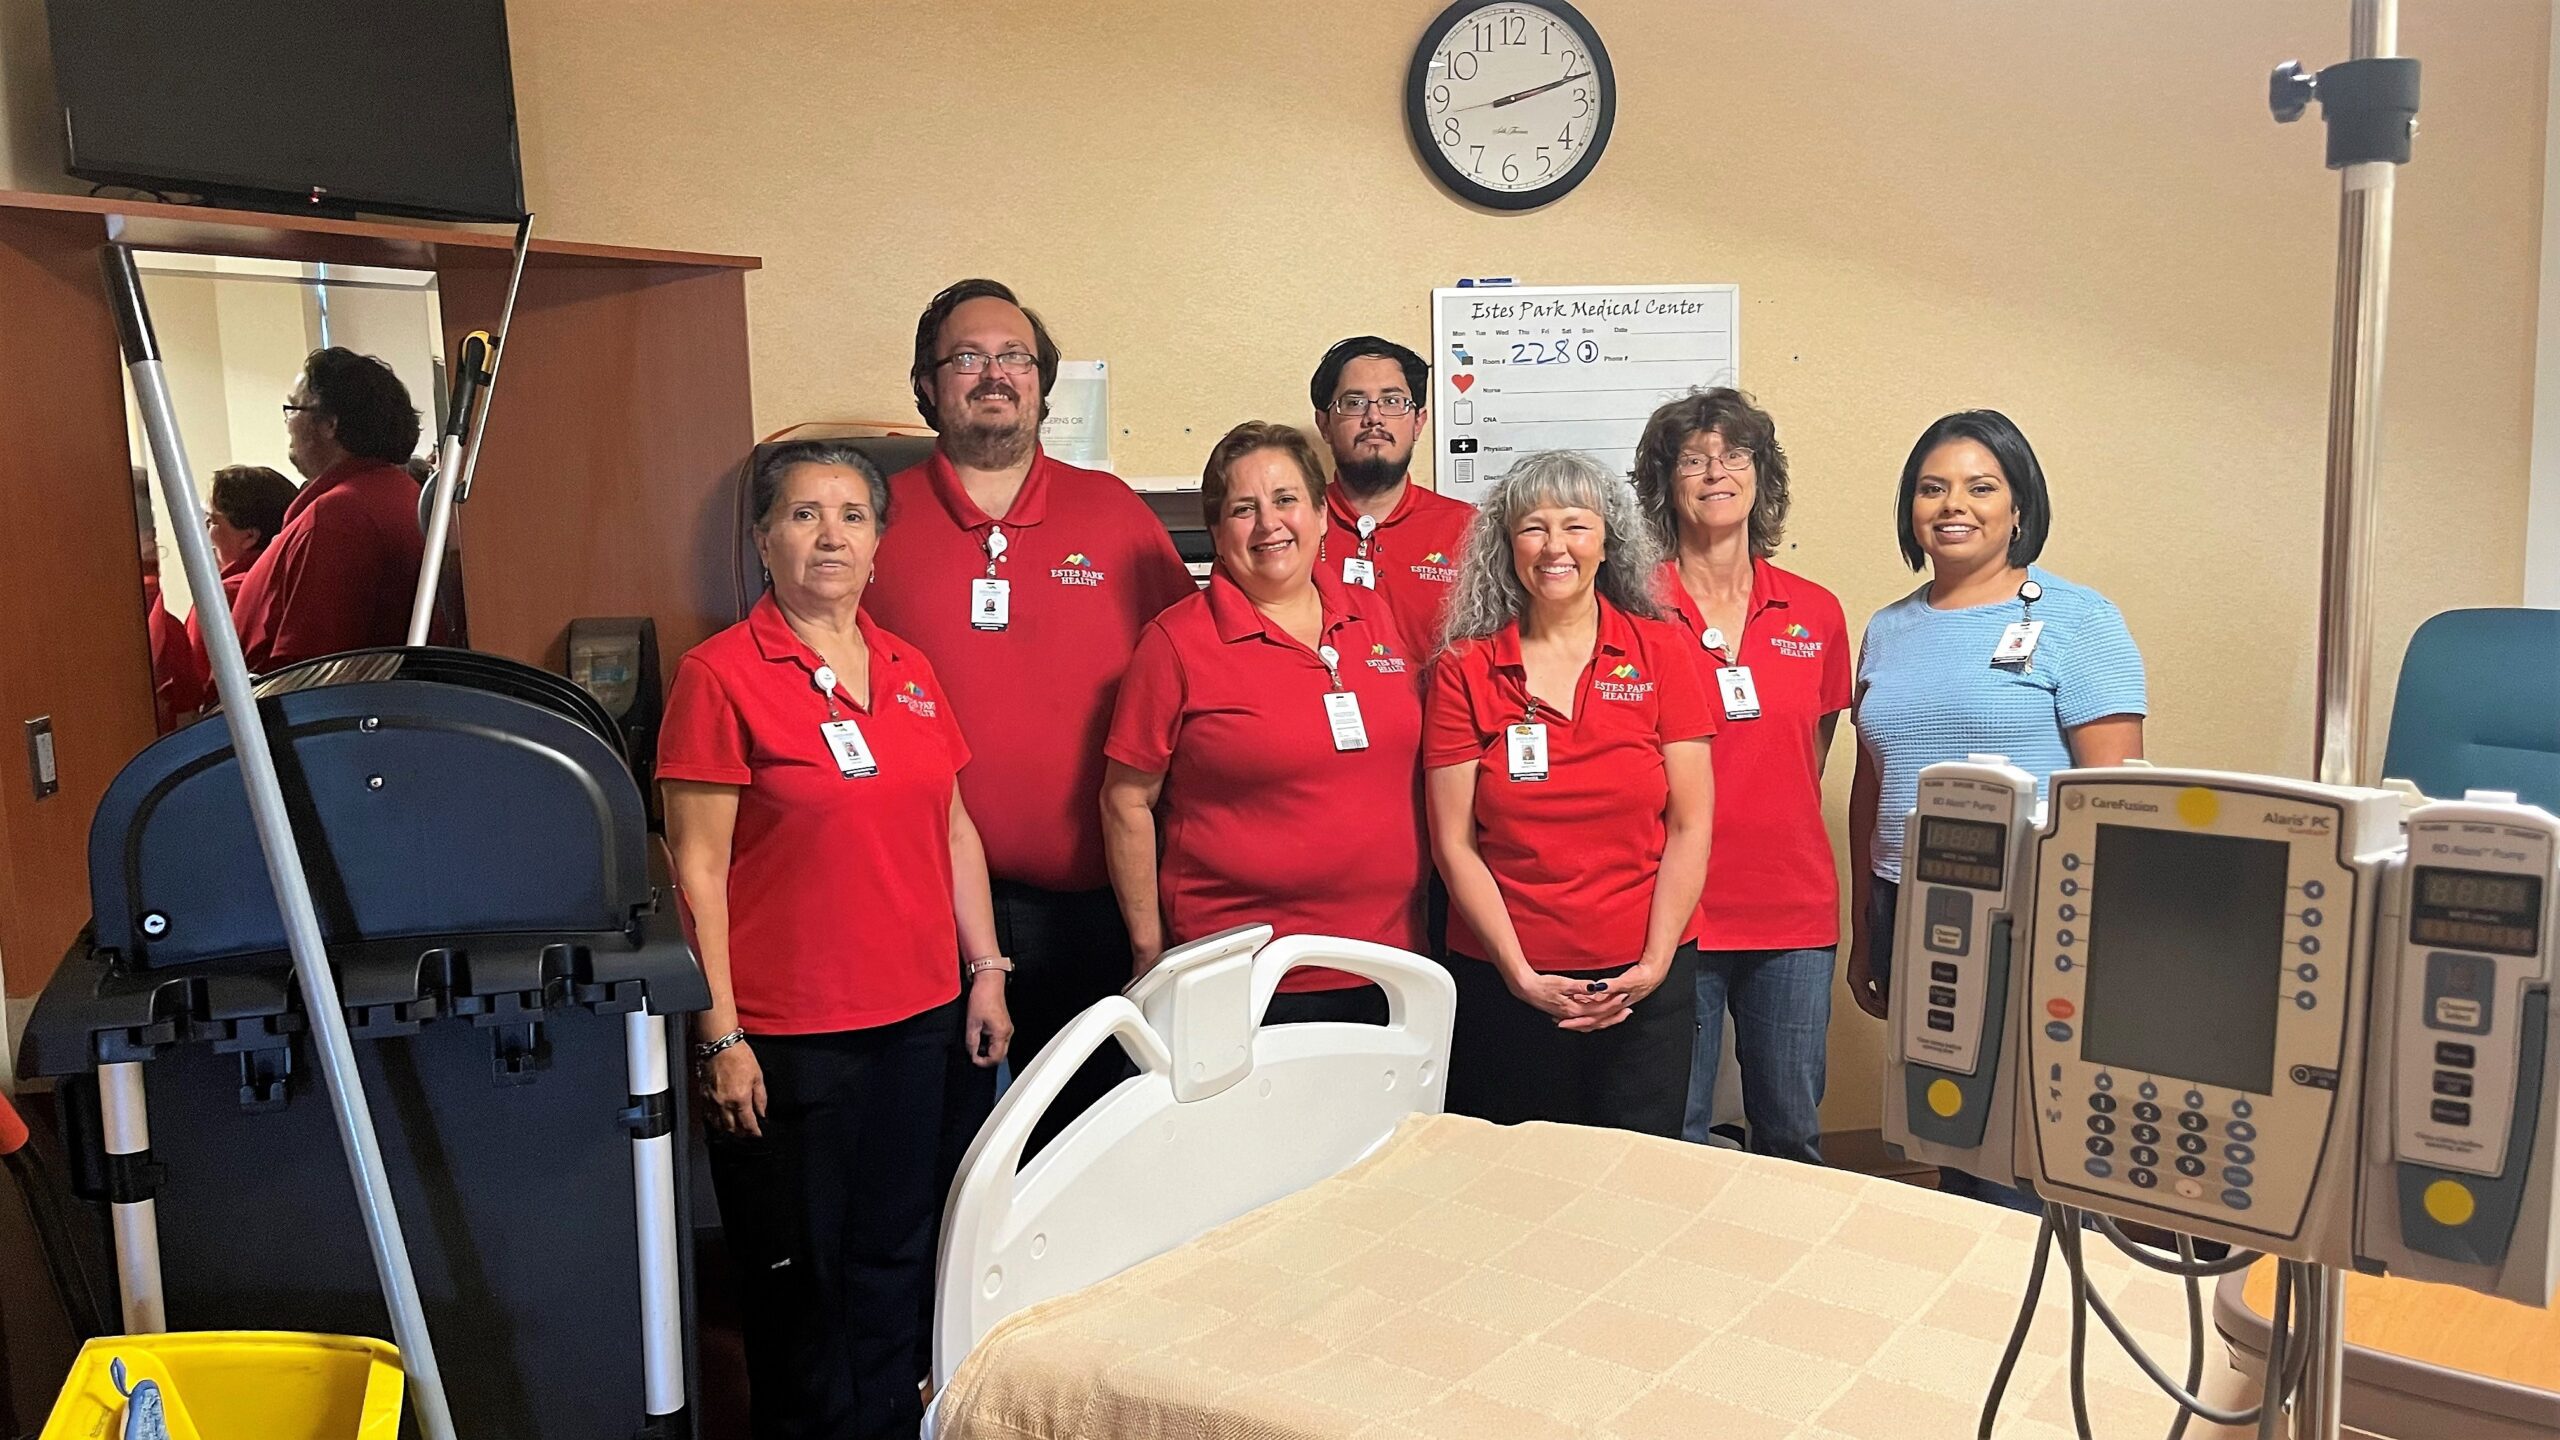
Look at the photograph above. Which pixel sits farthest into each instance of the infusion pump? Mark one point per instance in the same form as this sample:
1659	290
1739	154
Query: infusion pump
2239	1007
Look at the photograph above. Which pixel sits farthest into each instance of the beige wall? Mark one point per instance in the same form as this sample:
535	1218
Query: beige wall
2076	211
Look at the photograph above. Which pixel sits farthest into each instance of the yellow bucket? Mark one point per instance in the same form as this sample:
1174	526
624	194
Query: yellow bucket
237	1385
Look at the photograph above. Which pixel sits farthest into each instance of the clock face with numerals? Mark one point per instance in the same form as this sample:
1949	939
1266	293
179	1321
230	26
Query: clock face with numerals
1511	101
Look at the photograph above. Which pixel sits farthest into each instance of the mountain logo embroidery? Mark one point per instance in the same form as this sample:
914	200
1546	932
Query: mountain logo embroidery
1435	569
1383	662
913	696
1796	642
1624	682
1079	570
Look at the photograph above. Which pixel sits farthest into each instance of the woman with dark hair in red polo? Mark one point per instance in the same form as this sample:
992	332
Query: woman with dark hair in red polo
340	569
1274	725
836	889
1712	480
246	510
1571	795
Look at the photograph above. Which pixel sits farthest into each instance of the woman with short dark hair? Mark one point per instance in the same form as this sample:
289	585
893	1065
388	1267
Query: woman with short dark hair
1712	479
342	566
1269	729
1571	797
1993	654
835	889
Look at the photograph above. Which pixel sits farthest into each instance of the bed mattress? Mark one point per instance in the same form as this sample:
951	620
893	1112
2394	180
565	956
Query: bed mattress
1469	1281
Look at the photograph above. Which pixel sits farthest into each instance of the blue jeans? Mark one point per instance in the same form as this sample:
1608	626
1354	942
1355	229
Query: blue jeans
1883	910
1781	1002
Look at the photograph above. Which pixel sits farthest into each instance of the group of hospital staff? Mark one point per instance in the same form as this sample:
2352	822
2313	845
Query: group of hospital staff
984	751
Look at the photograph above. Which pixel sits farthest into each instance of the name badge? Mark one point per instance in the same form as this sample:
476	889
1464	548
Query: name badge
2017	643
1527	744
852	752
1740	696
990	603
1342	712
1356	571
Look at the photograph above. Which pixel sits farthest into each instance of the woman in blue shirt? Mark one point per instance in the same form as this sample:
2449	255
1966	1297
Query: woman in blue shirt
1974	511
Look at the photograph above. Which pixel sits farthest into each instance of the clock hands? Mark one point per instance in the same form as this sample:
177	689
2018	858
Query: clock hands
1531	93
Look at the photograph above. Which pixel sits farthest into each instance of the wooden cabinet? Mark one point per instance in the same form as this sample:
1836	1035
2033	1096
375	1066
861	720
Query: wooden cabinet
605	484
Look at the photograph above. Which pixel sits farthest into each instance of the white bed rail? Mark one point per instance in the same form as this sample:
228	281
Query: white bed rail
1223	1116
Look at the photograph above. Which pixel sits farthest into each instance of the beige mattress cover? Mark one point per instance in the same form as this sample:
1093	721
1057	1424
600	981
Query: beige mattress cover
1471	1281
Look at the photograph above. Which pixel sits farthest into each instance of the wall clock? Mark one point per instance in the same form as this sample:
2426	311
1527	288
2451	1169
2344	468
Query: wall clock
1511	101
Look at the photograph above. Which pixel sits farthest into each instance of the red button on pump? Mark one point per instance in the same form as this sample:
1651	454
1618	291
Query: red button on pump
2059	1008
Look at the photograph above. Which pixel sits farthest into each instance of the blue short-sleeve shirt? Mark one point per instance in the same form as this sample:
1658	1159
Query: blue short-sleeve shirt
1927	690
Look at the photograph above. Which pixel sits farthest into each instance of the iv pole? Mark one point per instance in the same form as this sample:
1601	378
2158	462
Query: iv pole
2370	106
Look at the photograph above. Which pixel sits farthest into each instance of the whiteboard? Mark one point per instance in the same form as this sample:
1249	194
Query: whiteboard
1568	367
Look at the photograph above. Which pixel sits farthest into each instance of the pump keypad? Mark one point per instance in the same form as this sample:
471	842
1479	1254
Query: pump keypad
2194	1136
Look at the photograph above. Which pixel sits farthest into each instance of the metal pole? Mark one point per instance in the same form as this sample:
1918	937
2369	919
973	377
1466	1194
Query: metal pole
319	983
126	1121
2346	585
506	330
2355	383
471	375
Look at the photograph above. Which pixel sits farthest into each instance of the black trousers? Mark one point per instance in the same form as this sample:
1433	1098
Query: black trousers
1069	949
830	1217
1353	1005
1508	1062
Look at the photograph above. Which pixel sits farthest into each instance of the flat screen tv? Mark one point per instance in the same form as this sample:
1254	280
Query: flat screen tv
402	107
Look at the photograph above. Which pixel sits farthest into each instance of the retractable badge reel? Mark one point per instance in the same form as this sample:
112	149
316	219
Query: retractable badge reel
1735	689
2017	645
991	599
844	738
1360	569
1341	707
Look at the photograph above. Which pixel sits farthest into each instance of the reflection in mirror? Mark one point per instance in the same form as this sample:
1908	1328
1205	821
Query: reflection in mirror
294	384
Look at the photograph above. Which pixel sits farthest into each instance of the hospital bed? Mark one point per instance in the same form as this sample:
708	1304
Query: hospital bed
1274	1232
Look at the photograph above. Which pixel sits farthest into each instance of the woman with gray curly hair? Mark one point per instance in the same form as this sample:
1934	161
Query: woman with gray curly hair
1570	796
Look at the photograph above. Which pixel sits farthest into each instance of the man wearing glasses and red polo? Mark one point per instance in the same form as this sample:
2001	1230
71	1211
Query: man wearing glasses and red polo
1026	580
1388	533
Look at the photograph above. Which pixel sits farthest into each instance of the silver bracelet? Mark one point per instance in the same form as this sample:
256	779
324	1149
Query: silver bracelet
710	1048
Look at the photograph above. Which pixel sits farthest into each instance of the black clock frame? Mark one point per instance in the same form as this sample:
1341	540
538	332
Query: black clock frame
1418	121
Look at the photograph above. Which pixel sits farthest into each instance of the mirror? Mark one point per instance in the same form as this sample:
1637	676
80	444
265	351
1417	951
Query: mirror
234	335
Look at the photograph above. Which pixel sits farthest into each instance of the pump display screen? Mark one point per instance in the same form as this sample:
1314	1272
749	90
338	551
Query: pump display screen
2476	910
1962	852
2186	956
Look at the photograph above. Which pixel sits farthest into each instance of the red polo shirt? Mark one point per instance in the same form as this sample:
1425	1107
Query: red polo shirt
839	889
1772	882
1265	822
1415	550
232	575
177	681
1575	853
341	571
1090	565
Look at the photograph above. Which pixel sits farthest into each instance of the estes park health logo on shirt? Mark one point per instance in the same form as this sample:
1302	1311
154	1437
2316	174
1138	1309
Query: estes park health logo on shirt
1078	570
1796	641
1436	569
913	696
1623	681
1384	661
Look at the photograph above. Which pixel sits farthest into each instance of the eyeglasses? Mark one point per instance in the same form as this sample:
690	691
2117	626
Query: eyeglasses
1011	362
1734	461
1363	404
292	409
